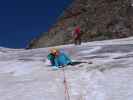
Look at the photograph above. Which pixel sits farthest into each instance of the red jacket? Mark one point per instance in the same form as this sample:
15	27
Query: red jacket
76	32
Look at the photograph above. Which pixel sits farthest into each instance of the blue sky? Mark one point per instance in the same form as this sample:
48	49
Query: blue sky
21	20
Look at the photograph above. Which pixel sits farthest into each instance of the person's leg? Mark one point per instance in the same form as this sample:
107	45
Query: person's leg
79	41
75	41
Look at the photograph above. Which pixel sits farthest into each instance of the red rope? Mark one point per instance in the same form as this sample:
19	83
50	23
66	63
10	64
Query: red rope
67	96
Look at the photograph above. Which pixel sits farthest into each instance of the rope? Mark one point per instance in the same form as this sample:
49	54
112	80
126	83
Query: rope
67	96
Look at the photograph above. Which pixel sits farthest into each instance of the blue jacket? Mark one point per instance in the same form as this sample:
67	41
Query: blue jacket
62	59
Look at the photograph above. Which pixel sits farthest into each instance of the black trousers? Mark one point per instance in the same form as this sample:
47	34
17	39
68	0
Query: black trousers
77	41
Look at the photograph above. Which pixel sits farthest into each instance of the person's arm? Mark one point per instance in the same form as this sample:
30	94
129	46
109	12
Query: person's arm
49	56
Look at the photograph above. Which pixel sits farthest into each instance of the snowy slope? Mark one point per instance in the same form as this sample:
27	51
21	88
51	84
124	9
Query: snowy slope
25	75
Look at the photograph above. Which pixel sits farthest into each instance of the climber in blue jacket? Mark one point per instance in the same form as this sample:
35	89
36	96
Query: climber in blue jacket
60	59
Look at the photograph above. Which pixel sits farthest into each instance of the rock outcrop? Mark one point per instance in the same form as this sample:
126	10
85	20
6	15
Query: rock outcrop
99	19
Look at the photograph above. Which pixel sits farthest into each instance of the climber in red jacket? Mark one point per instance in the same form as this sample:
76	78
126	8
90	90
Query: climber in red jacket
77	35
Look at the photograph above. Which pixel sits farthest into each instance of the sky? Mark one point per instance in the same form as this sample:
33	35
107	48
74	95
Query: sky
22	20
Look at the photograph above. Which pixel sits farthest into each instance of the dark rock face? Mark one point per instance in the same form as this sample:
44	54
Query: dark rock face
99	19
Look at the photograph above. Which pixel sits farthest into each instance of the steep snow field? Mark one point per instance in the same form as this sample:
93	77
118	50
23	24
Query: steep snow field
25	74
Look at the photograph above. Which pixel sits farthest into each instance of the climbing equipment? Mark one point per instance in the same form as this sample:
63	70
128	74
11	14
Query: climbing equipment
67	95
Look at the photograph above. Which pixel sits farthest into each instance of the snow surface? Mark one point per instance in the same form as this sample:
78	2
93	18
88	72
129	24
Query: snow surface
26	74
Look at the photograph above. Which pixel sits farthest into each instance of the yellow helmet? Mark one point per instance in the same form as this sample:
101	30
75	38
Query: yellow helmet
54	50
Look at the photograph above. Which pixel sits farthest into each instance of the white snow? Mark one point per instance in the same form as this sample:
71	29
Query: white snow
26	74
91	50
